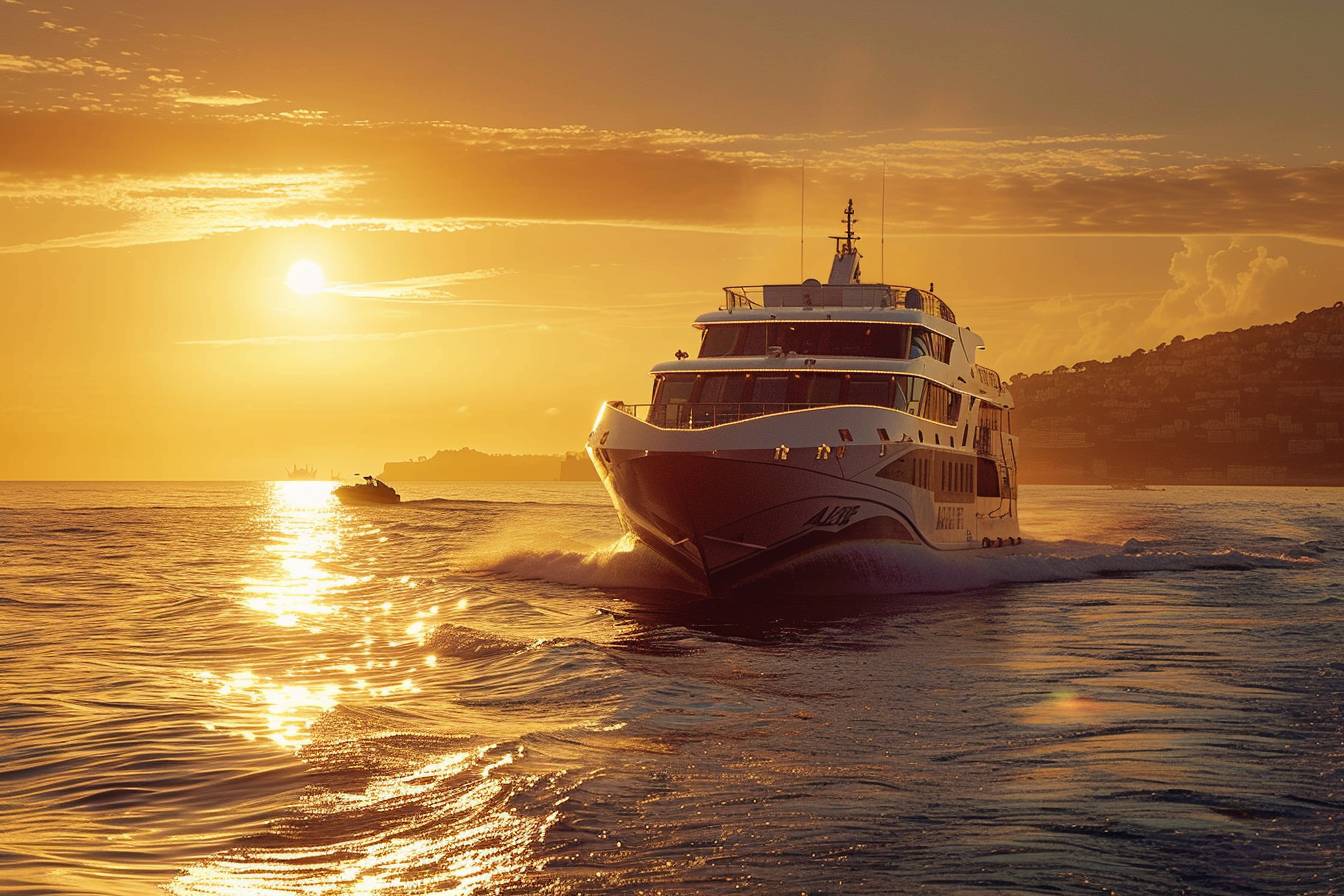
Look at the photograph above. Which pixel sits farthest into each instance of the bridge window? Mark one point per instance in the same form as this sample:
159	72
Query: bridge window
824	389
711	389
824	338
714	392
868	388
719	342
756	339
771	390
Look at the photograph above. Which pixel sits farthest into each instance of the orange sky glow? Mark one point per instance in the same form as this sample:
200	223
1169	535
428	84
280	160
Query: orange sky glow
514	211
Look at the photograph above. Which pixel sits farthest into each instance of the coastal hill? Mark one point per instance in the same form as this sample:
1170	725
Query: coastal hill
1263	405
466	464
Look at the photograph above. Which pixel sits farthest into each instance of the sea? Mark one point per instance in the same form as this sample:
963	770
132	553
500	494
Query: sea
247	688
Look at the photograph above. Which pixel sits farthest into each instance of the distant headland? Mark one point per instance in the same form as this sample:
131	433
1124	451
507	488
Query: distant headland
467	464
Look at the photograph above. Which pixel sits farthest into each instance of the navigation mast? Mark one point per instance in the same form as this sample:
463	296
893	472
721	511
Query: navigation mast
845	267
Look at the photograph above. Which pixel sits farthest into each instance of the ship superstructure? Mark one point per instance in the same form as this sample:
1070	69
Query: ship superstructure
814	414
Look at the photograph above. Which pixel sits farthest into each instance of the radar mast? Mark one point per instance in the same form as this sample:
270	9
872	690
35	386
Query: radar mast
845	267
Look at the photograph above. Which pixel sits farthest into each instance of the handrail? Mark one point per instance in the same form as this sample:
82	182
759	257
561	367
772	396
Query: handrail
888	296
703	414
738	297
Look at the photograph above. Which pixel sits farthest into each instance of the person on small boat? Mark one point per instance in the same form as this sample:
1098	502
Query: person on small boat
370	491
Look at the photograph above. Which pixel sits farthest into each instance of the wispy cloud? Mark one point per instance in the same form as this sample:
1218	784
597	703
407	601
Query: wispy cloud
434	288
177	209
376	336
218	100
59	65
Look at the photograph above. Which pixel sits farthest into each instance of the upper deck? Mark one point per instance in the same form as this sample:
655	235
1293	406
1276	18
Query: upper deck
791	346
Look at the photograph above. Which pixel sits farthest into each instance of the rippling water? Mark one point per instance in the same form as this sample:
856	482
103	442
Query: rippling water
247	688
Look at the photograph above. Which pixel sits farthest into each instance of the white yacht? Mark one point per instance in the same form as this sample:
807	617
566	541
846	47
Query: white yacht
815	414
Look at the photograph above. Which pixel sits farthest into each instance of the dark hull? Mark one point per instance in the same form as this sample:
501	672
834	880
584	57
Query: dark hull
728	524
359	494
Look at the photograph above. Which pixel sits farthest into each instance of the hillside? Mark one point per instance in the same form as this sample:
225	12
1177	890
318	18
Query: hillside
1264	405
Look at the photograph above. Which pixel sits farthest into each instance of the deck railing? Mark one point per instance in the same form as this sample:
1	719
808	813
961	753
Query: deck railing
701	415
879	295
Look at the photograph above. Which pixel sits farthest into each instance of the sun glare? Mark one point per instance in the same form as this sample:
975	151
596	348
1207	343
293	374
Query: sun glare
305	277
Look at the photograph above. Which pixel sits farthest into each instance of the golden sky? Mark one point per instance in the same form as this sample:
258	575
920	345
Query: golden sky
519	207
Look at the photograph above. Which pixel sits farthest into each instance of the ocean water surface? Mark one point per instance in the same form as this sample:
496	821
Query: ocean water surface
246	688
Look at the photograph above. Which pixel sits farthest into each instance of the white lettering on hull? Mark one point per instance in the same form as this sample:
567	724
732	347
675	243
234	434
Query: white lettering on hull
951	516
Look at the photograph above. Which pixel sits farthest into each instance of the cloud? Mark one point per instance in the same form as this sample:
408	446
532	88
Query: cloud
414	290
197	206
317	338
433	177
174	209
218	100
1232	285
1217	284
59	65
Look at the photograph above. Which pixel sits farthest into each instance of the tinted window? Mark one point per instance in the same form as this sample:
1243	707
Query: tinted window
913	395
735	386
941	345
891	342
919	345
913	387
898	398
771	389
711	389
848	340
938	403
842	339
719	341
824	389
866	388
676	389
755	342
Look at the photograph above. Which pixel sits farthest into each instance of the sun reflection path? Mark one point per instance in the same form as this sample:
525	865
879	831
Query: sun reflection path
337	650
352	643
444	826
303	517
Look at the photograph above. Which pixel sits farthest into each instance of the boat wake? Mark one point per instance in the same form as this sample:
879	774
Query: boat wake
875	568
624	563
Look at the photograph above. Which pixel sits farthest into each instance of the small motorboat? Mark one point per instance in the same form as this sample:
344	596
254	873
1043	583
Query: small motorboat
370	491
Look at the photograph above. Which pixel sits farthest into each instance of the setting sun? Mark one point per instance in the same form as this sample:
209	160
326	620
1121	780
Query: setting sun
305	277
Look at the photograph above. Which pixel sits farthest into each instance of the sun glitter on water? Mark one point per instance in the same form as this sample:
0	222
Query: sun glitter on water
306	277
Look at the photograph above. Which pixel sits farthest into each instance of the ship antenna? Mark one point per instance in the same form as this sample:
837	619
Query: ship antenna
883	265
